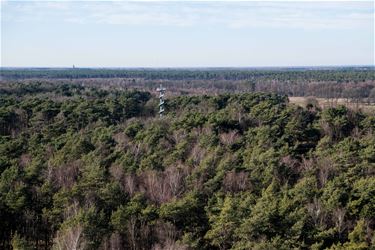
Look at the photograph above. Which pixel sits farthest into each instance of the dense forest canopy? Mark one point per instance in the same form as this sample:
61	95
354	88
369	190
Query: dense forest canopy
90	167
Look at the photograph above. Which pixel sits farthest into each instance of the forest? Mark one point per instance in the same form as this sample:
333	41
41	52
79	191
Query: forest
354	84
341	74
90	166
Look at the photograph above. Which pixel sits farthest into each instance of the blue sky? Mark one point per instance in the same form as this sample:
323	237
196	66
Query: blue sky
186	34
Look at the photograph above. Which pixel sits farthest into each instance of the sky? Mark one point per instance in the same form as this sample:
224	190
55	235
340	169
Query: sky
186	33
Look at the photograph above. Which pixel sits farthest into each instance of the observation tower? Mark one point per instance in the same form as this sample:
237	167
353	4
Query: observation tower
161	91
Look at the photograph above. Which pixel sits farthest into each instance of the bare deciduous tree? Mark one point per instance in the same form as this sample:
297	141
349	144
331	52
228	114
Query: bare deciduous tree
236	181
307	164
179	135
197	154
169	245
151	185
25	160
120	138
173	178
65	175
132	231
229	138
316	211
117	172
69	239
325	170
167	234
162	186
130	184
113	242
339	216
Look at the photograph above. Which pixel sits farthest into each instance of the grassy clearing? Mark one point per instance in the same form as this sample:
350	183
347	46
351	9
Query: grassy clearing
325	103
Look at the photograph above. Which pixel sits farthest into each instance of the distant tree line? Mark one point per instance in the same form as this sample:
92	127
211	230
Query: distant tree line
343	74
352	91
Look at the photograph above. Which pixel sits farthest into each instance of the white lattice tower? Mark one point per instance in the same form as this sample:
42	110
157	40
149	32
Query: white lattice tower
161	91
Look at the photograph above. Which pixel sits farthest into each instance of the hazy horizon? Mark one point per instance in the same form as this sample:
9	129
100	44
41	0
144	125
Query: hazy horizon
198	68
104	34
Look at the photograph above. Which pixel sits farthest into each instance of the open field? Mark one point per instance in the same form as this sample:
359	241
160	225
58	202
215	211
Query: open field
325	103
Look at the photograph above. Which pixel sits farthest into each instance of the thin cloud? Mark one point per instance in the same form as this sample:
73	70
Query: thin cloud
301	15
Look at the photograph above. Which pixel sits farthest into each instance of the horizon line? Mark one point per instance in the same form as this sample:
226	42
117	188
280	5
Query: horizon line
187	67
